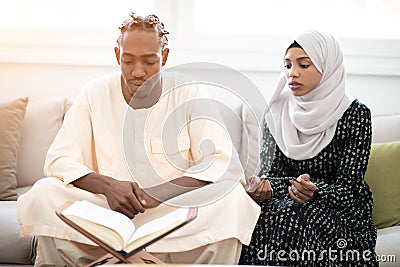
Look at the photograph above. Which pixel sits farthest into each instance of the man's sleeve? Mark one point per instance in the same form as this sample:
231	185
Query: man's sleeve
70	155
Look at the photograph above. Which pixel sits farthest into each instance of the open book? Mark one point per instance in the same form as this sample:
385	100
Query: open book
118	234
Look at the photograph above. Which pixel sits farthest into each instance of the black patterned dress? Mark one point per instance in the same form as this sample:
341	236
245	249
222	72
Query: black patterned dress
336	227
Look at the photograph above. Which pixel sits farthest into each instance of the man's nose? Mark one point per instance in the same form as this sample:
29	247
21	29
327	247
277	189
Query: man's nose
138	71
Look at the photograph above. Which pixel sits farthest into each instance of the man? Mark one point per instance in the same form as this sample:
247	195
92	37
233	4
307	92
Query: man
116	149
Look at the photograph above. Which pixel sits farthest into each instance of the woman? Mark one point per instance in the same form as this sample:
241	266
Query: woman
315	133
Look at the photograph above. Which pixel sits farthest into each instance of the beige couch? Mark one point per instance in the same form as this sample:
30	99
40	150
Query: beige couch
44	117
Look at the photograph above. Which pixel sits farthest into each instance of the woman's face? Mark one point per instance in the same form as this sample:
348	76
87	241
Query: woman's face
301	74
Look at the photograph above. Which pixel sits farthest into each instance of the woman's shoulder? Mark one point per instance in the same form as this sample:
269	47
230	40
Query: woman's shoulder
357	113
357	109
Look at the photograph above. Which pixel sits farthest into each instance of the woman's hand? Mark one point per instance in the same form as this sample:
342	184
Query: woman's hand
262	192
302	189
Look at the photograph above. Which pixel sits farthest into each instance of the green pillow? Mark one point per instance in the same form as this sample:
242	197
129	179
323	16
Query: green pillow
383	177
11	118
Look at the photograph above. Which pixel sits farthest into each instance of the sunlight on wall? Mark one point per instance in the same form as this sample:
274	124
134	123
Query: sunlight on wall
88	14
343	18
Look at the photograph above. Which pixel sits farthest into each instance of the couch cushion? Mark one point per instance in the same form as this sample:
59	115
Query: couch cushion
229	107
386	128
383	176
233	122
23	189
42	122
13	248
251	138
11	118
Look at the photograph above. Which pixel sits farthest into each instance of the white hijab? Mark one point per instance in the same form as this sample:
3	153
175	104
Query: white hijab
304	125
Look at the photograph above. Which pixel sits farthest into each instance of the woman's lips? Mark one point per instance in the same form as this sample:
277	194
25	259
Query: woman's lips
294	85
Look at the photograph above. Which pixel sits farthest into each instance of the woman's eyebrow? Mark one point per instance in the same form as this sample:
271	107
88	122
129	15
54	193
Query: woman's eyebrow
301	58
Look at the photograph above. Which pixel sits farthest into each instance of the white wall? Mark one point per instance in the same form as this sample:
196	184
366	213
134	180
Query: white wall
44	80
53	60
379	92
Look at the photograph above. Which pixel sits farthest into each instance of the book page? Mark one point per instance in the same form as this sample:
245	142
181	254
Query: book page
148	239
164	222
102	233
102	216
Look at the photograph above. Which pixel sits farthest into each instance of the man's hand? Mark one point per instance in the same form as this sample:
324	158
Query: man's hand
153	196
122	196
125	197
302	189
150	201
128	198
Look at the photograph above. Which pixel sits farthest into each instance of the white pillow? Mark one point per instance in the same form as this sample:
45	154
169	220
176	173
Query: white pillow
42	121
229	107
386	128
251	139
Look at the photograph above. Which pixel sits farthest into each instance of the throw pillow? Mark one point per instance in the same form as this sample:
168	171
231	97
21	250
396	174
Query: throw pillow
42	121
11	118
383	177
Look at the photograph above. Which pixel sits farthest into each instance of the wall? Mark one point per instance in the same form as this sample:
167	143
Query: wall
57	60
380	92
42	80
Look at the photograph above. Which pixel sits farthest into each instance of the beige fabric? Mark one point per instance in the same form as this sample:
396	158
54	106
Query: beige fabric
36	209
11	118
101	109
47	254
42	121
36	216
222	252
58	252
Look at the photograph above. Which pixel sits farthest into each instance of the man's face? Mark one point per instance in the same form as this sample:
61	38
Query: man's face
140	56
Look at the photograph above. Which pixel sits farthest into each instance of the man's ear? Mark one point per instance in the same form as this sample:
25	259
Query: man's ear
165	56
117	55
